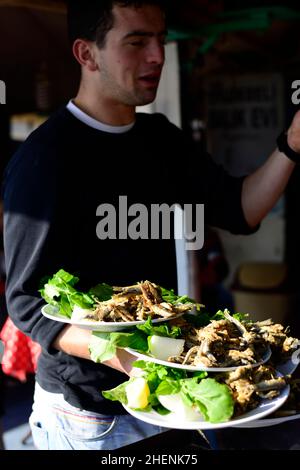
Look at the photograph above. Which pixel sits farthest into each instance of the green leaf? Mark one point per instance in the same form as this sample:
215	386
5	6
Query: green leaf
65	307
242	317
199	320
170	297
135	340
51	291
161	330
200	374
161	409
66	277
60	292
82	300
102	292
239	316
101	348
118	393
156	373
213	399
168	387
153	400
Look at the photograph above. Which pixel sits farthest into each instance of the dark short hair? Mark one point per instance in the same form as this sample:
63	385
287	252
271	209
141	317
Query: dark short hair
92	19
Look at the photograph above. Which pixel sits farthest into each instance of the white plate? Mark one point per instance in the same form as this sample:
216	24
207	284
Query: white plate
145	357
171	420
263	423
51	312
288	367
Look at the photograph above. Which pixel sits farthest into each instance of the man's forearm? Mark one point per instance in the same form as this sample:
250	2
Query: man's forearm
75	342
263	188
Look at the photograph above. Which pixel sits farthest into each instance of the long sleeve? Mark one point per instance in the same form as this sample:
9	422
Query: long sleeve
222	194
31	228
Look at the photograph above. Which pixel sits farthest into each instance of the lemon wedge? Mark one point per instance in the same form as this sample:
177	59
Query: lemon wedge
137	393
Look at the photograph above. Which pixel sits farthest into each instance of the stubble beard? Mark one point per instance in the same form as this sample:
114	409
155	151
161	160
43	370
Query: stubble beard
131	98
128	98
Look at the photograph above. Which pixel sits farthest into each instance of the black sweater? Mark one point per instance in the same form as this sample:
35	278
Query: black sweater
52	188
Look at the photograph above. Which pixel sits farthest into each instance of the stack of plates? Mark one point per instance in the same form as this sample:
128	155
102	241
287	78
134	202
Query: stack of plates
252	419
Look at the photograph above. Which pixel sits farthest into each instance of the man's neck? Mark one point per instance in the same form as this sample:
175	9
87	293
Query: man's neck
94	123
107	113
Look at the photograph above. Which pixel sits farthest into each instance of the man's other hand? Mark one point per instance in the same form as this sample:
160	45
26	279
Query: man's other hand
293	135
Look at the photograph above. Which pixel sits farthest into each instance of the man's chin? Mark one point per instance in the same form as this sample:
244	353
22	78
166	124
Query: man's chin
144	100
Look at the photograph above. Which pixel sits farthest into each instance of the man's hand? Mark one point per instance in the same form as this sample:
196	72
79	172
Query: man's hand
122	362
293	134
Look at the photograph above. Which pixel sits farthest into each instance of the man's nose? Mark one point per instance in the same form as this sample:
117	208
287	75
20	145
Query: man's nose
156	53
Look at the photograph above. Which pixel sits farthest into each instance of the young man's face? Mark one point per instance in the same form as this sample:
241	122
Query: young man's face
131	61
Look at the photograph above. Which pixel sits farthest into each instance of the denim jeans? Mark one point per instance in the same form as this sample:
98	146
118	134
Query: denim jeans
56	425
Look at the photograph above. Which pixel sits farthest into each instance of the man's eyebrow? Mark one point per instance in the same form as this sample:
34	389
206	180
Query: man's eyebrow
144	34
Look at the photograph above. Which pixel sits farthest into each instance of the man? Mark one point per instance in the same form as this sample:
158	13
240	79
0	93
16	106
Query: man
88	153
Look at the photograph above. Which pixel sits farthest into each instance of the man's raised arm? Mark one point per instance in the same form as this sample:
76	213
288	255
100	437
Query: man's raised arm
263	188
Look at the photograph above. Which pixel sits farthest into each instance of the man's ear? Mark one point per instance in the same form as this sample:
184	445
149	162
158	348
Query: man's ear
84	53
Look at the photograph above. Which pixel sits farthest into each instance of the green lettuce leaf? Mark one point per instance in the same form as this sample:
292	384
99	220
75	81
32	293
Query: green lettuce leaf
118	393
214	400
161	330
239	316
60	292
168	387
155	374
170	297
203	318
101	292
103	346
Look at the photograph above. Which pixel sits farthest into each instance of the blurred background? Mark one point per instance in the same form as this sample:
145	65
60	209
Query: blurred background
230	82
